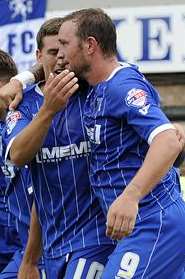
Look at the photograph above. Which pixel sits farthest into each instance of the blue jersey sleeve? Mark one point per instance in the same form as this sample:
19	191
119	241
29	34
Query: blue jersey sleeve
138	103
16	121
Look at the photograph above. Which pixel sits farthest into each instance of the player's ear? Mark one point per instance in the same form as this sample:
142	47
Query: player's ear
38	56
91	45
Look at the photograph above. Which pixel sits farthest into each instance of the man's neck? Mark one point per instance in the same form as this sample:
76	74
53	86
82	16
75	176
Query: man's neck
41	85
101	69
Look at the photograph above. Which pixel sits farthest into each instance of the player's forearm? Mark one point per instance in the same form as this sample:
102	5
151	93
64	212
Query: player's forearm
33	75
12	94
33	249
38	72
159	159
3	108
29	140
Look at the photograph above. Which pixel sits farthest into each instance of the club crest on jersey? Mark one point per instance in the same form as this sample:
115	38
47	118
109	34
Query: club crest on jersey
11	120
136	98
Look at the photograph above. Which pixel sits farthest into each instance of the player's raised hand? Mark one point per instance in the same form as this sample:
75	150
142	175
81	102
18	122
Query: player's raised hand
11	93
121	217
58	89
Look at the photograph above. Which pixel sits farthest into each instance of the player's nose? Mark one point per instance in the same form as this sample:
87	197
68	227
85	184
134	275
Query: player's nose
60	54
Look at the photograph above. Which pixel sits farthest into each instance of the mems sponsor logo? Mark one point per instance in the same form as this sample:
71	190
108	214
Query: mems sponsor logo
59	153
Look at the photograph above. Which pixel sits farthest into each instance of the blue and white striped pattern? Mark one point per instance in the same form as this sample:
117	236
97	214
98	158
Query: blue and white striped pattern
20	198
120	130
69	212
11	243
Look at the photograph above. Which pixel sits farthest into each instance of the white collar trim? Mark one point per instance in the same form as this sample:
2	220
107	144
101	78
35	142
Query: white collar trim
122	65
38	90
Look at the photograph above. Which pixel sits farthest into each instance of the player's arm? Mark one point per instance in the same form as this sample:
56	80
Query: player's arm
161	155
11	93
3	108
33	251
180	132
57	92
10	96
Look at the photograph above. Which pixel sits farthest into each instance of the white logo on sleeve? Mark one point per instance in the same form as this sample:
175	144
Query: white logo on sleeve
11	120
136	98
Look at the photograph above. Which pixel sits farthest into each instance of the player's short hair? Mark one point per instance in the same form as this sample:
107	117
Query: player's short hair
8	67
95	23
50	27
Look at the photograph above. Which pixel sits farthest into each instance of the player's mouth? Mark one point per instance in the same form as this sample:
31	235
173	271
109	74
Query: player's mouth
60	67
58	71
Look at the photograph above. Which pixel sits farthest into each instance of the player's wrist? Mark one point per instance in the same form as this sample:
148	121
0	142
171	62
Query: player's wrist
132	191
30	259
25	78
46	113
16	83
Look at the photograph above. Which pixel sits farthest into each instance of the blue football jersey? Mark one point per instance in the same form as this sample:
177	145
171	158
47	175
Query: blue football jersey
9	240
19	199
18	194
122	115
4	218
69	212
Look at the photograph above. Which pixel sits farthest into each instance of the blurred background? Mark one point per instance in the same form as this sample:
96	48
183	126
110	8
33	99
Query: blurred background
72	4
151	34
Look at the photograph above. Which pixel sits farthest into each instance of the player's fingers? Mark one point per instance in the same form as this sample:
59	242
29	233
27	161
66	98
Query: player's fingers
123	232
121	235
53	80
116	228
49	80
66	82
131	226
180	133
72	90
67	88
126	227
60	80
110	224
14	103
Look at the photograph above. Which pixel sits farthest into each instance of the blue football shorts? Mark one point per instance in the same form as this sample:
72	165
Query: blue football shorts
155	249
